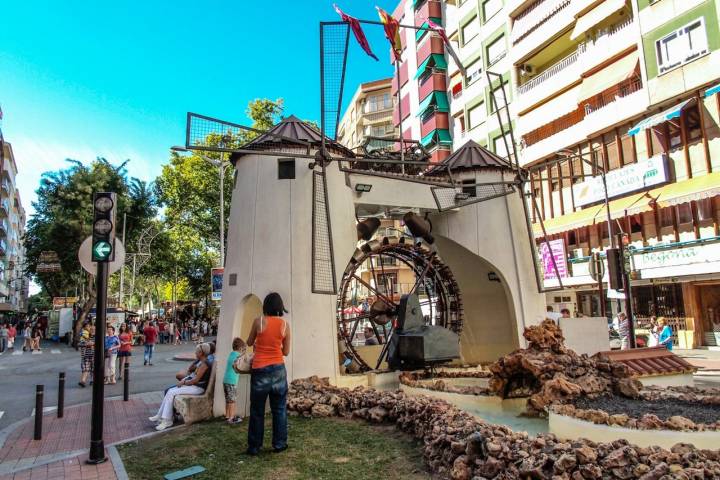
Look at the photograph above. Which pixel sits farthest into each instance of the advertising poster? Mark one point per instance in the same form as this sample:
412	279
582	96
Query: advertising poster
548	251
216	275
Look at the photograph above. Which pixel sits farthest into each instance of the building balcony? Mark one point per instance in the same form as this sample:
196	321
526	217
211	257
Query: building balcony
439	154
429	8
612	107
433	44
539	25
552	79
434	82
611	42
3	228
434	121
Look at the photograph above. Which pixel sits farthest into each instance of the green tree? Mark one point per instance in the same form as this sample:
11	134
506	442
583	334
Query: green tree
63	219
188	188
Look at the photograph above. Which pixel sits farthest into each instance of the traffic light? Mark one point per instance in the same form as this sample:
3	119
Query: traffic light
103	233
615	268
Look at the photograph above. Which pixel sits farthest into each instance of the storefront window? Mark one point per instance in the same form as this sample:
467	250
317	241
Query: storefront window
704	208
665	299
684	214
693	130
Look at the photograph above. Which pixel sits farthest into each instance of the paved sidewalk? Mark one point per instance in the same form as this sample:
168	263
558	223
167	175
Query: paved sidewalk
705	360
65	441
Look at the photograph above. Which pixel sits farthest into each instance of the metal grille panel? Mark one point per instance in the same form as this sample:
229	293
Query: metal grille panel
447	198
323	261
333	54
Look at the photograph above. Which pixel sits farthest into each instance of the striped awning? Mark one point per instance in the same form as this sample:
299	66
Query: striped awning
712	90
658	118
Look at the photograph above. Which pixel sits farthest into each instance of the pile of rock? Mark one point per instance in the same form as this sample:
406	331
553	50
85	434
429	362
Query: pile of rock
549	373
456	445
433	381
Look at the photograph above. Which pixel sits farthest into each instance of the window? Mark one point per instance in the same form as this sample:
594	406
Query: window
681	46
612	150
636	224
496	50
470	30
490	8
500	149
628	148
474	72
666	217
497	95
378	102
476	115
704	208
469	188
286	168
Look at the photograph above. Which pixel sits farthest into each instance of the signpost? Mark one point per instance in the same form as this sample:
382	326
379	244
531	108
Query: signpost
102	252
597	272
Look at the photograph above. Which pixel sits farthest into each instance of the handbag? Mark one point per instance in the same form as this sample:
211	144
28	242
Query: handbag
243	363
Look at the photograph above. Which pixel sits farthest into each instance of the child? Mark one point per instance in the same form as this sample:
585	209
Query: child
230	381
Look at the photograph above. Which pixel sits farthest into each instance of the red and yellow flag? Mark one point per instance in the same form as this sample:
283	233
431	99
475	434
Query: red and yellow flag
392	32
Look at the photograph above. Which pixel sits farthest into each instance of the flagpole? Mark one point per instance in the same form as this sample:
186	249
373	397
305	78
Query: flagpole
400	119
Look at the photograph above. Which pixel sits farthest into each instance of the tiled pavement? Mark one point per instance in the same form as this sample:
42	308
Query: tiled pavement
63	449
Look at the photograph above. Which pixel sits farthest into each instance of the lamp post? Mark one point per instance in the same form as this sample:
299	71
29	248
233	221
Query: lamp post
221	165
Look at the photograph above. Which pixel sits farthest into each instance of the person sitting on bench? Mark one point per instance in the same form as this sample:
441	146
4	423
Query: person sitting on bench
193	384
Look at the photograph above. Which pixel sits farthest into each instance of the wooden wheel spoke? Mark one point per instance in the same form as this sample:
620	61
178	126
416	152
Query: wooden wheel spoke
377	292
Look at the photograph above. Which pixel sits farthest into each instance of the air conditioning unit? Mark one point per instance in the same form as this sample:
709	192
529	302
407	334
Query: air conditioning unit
526	69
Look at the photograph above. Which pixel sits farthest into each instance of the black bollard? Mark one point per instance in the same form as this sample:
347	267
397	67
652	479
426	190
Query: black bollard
61	395
39	392
126	382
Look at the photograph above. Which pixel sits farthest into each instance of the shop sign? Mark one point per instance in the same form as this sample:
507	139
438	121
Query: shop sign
61	302
677	257
553	249
633	177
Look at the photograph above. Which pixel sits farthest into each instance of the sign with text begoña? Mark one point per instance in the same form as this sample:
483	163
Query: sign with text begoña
633	177
553	249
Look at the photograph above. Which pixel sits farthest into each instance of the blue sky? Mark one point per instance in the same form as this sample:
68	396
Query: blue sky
115	79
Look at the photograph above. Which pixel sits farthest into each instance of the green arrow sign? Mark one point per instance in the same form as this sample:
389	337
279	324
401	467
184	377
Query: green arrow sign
101	251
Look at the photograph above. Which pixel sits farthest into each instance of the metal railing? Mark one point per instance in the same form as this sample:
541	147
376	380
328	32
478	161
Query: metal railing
534	16
610	96
552	71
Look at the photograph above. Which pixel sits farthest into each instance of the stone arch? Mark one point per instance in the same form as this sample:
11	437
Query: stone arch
248	309
489	318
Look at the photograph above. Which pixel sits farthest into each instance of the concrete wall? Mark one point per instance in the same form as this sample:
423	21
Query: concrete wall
269	249
495	230
489	321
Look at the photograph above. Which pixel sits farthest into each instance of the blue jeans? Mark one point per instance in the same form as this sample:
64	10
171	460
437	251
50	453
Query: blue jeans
268	381
148	352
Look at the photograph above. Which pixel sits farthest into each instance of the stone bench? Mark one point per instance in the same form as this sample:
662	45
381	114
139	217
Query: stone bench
196	408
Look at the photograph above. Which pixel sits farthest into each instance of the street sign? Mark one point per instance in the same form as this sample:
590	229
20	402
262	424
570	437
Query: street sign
85	255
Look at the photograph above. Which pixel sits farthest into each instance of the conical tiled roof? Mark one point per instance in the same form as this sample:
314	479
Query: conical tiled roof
471	156
292	128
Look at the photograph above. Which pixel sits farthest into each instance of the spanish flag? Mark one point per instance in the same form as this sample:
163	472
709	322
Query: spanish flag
392	32
357	31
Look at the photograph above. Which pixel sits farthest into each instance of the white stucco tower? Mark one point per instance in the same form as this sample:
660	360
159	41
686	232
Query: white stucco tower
269	249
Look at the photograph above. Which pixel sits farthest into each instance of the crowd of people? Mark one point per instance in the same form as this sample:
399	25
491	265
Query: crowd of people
32	330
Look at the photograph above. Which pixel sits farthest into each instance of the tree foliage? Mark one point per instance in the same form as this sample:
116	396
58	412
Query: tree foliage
188	188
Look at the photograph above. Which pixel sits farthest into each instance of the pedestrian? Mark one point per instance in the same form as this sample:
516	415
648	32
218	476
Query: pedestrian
623	327
112	346
87	353
12	333
653	338
564	313
370	338
36	336
230	381
170	330
150	334
193	384
161	331
665	338
4	336
27	337
125	351
270	337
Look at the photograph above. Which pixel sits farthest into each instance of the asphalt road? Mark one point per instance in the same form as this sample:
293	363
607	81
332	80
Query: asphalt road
20	372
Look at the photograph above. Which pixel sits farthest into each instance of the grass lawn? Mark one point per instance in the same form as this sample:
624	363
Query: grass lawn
320	448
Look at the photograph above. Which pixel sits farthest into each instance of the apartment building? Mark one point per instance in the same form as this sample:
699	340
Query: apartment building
14	284
628	87
369	115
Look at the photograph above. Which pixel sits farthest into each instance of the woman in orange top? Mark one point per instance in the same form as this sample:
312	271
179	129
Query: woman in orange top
270	337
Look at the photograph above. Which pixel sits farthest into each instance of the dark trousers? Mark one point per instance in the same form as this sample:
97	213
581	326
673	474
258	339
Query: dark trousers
268	381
